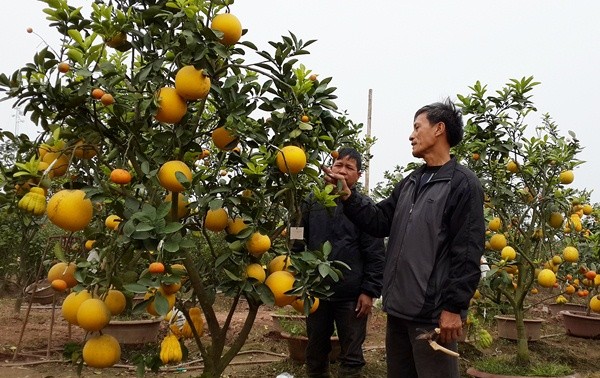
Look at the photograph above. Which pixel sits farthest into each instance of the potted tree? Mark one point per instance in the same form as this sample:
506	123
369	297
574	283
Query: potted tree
167	148
585	322
292	327
526	174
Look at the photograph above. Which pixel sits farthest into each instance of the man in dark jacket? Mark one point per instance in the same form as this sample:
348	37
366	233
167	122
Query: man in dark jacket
349	306
434	220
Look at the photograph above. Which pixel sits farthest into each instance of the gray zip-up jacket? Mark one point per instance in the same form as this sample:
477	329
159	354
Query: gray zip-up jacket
436	239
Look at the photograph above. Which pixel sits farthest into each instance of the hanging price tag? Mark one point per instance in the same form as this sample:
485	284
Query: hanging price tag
296	233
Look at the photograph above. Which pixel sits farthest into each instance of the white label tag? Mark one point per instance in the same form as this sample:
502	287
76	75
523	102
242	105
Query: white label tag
296	233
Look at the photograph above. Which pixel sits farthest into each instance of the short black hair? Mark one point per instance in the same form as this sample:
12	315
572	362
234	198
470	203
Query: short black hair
448	113
352	154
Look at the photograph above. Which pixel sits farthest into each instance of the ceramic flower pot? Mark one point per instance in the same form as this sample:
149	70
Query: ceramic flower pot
578	324
297	347
41	291
138	331
472	372
556	308
507	327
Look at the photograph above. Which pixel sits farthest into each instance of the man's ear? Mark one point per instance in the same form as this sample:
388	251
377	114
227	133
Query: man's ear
440	128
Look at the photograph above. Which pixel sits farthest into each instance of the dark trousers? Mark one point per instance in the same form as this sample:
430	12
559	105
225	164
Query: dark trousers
350	330
410	358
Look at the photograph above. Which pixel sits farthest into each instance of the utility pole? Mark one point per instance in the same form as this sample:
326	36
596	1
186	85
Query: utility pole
369	109
18	119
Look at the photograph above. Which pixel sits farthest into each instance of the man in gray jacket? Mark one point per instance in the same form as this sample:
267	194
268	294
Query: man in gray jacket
435	223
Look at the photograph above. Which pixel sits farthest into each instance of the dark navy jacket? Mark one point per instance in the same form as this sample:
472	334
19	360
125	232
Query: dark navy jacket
363	253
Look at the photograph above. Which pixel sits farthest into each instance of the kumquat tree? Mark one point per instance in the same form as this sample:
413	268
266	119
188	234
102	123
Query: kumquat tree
541	231
179	164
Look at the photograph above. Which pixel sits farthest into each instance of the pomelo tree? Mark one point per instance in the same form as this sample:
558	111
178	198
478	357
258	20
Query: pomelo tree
538	228
218	154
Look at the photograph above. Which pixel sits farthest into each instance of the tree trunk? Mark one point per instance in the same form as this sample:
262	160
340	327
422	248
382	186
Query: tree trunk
522	344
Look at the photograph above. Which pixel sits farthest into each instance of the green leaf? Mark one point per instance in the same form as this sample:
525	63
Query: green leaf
135	288
140	227
161	304
59	252
324	270
232	276
76	35
171	245
265	294
172	227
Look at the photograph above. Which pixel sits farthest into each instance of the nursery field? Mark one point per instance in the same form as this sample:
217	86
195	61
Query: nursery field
264	355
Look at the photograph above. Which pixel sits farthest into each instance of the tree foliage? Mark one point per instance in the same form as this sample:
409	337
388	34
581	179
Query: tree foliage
130	50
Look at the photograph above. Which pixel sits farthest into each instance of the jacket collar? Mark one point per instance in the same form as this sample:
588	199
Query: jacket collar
446	171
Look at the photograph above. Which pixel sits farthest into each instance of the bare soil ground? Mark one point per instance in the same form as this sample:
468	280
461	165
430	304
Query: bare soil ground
264	354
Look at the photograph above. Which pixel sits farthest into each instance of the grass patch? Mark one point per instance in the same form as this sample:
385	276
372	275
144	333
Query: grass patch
508	366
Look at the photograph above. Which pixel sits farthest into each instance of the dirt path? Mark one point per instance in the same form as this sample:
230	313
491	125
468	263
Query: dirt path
263	355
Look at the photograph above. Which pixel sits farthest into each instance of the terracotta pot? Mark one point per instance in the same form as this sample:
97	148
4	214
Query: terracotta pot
578	324
481	374
297	347
556	308
281	320
44	293
140	331
507	327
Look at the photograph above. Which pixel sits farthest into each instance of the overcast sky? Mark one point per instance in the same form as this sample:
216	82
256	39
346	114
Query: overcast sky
411	54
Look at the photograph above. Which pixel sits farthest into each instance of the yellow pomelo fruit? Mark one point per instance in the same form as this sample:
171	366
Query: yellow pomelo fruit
192	84
93	315
576	222
258	244
171	106
112	221
279	283
62	163
587	209
151	309
171	288
555	220
495	224
70	210
512	167
291	159
167	175
63	271
556	260
281	262
566	177
298	305
182	205
595	303
115	301
256	271
223	139
71	304
230	26
498	241
546	278
82	150
508	253
216	220
234	226
101	351
89	244
570	254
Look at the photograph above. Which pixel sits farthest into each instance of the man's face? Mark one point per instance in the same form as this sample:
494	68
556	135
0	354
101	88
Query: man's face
423	137
346	167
